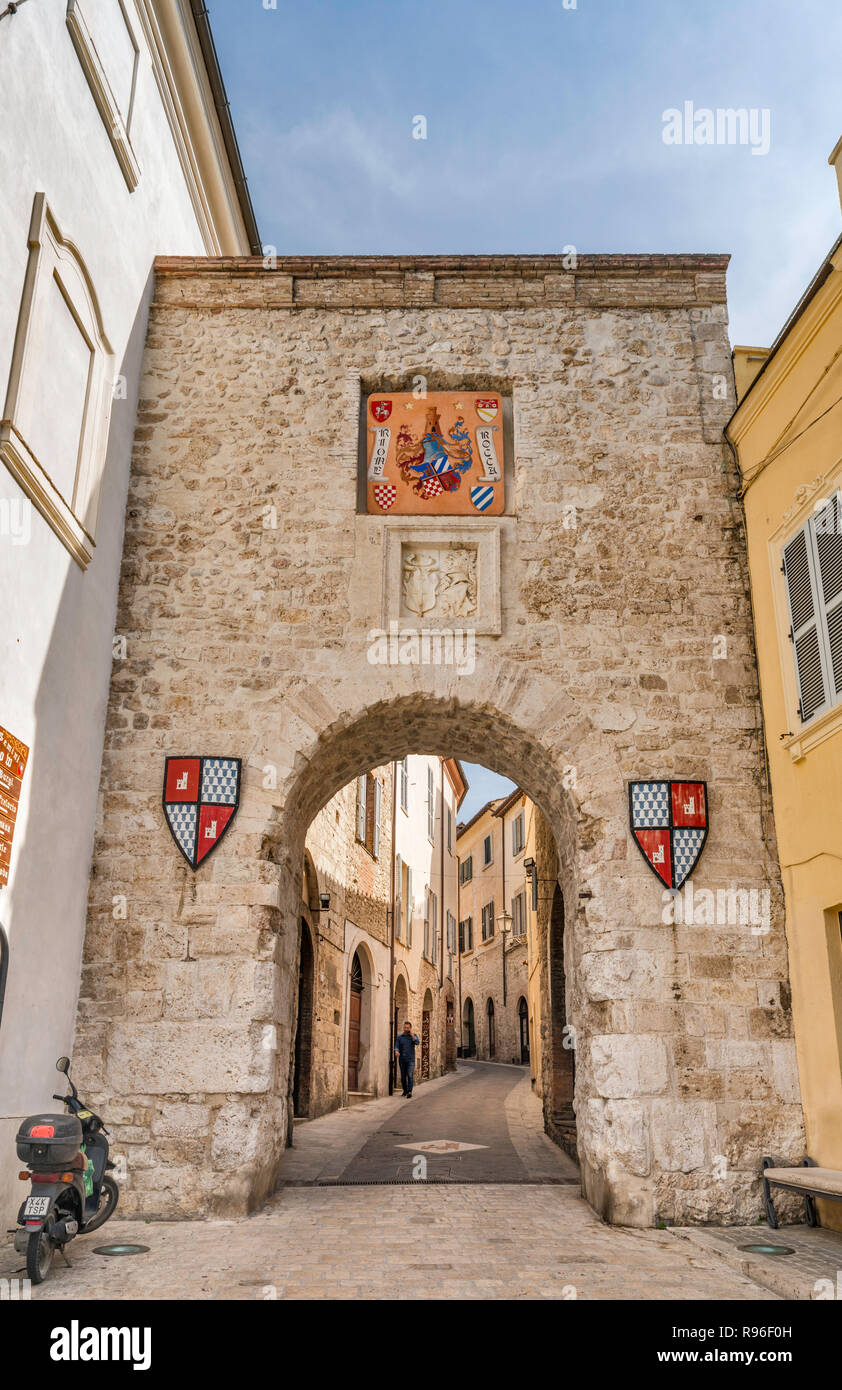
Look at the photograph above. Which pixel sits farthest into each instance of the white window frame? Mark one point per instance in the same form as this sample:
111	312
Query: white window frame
427	896
403	784
488	921
519	914
811	530
431	806
517	835
378	810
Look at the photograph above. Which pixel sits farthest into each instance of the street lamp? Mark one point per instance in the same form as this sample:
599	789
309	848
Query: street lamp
504	922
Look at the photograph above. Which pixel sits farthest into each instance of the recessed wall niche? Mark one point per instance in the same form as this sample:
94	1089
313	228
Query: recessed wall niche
54	429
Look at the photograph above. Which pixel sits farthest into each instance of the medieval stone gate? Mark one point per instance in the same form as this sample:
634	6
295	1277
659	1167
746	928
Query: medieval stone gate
613	643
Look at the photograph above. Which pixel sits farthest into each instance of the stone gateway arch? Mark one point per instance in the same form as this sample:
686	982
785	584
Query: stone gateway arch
609	612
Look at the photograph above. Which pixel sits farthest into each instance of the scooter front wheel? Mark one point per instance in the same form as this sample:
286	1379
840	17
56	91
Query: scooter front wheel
39	1256
108	1199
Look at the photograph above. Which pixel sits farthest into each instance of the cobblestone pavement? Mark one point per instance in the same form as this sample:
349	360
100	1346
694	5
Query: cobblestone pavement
528	1238
811	1272
488	1110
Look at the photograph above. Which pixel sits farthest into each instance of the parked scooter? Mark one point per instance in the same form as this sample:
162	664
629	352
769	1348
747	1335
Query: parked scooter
72	1191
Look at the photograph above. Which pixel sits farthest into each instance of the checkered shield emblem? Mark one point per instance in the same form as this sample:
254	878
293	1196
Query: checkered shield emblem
669	822
201	796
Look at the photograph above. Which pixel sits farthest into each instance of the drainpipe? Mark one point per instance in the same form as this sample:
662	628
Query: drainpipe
443	913
459	951
391	929
503	933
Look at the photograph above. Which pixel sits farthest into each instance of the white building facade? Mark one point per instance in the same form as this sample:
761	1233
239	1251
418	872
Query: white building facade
116	147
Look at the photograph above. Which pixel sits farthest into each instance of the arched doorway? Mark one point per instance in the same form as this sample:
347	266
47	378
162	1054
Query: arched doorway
401	1016
449	1035
469	1041
523	1026
355	1018
561	1120
491	1032
426	1028
301	1091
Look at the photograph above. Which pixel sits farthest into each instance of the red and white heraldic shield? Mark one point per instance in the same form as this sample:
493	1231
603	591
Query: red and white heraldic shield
669	821
201	796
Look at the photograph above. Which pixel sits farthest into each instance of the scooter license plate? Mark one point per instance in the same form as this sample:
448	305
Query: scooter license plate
36	1206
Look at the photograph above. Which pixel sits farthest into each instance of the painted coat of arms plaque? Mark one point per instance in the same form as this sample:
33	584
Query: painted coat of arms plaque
440	455
669	821
201	796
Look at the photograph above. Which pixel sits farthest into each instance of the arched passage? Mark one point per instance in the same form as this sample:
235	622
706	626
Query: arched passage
561	1117
490	1029
469	1040
523	1024
426	1024
360	1058
323	738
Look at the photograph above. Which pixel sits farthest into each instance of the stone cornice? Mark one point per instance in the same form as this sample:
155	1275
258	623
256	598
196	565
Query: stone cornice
598	281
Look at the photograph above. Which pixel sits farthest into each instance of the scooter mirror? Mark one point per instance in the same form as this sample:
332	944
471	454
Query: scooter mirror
63	1064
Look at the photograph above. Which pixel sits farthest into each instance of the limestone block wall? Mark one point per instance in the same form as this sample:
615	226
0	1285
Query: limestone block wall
249	588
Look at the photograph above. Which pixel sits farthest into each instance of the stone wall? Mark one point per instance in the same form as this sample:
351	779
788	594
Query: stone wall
249	588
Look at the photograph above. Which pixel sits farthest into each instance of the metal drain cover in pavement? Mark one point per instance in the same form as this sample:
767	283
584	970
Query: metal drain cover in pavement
121	1249
768	1249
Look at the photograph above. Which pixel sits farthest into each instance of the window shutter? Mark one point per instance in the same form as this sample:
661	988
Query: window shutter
431	817
378	800
827	528
461	937
435	914
408	905
398	889
805	629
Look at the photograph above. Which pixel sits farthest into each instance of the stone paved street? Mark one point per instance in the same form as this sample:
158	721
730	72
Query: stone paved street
529	1237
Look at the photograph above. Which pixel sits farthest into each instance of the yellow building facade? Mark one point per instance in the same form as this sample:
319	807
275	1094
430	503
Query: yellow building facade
787	435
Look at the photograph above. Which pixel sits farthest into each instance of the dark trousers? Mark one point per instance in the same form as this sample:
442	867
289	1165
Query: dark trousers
407	1074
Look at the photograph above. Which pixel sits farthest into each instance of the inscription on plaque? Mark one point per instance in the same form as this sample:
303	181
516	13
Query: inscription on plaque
439	455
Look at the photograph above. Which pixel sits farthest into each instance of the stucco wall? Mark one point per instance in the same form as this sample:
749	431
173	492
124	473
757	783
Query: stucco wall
56	639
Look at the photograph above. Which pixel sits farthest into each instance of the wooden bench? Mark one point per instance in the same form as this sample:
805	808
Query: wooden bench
807	1180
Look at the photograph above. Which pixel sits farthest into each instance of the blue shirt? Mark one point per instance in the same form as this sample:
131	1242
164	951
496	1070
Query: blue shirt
406	1045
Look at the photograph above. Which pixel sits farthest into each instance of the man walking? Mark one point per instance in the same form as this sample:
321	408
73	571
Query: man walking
405	1052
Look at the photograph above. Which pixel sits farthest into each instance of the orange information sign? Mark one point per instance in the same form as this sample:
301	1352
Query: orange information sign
13	760
436	455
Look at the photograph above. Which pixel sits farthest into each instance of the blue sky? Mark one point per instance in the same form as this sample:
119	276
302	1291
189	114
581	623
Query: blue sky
483	784
544	129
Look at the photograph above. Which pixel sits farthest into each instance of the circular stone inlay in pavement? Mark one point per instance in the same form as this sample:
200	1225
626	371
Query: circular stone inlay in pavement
441	1146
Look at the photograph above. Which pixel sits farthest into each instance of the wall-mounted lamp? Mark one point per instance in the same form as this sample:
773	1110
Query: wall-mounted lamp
324	902
530	867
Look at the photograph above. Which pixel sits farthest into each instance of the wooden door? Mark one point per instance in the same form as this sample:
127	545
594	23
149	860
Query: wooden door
354	1014
425	1044
524	1032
